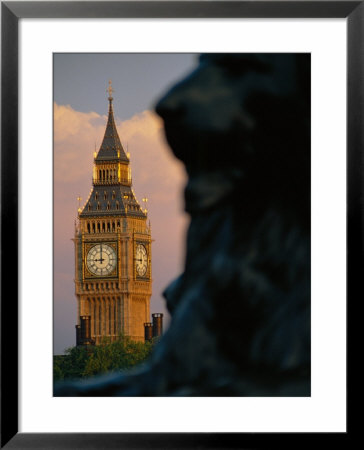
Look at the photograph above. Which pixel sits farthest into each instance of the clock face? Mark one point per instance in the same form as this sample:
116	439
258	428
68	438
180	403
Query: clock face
101	259
141	260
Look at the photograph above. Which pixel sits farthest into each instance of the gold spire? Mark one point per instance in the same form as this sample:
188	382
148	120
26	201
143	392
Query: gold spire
110	90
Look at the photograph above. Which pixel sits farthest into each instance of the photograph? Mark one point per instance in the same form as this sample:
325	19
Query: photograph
182	224
117	202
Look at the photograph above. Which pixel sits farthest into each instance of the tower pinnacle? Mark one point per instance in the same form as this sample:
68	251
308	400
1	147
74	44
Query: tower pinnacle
111	148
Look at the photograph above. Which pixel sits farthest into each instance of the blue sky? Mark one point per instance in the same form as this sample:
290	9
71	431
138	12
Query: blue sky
138	80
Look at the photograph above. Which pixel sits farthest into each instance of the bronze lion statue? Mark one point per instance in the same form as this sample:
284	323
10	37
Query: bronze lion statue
241	309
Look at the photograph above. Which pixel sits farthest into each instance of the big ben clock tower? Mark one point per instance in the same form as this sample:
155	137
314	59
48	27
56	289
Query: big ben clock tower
112	249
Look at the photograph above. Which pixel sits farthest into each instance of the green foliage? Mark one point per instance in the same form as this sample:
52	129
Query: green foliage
120	355
70	365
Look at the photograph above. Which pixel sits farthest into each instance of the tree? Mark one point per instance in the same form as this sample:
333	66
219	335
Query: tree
120	355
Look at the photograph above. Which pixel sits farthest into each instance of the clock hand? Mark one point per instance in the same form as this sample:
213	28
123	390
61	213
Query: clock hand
101	258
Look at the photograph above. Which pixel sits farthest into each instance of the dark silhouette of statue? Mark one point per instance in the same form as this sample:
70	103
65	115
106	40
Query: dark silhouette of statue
241	309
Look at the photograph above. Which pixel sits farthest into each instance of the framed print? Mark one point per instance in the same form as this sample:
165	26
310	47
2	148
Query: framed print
32	33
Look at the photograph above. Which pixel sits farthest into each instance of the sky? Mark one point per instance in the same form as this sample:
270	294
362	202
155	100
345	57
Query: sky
80	114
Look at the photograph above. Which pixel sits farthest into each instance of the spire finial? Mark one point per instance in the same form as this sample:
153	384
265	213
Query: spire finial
79	198
145	201
110	90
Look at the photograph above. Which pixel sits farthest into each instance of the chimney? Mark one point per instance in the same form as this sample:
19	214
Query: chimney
157	324
148	331
78	335
85	331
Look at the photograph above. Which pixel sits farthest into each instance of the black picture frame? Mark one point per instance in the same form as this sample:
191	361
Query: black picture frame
11	12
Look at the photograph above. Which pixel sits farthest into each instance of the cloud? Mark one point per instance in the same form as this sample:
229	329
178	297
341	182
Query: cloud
75	134
154	168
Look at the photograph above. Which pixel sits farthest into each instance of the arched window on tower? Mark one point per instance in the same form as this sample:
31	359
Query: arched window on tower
98	206
117	205
105	195
96	195
88	228
108	206
113	195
